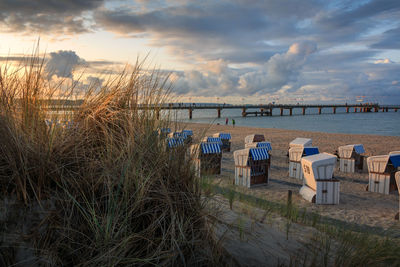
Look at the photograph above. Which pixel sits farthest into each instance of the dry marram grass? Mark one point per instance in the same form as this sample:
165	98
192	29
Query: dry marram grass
102	191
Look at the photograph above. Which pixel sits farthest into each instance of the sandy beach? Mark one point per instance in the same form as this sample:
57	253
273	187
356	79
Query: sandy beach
356	204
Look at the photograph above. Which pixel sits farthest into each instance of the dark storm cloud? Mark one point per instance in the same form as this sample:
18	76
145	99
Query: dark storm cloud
389	40
350	21
231	30
46	16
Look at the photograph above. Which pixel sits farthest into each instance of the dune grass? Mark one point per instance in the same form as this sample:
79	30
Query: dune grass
102	190
337	243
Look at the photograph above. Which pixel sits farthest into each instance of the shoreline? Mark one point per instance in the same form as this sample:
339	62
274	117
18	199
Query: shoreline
280	138
278	128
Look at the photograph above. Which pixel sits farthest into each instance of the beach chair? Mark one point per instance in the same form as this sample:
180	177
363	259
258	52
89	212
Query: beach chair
264	144
295	155
319	185
164	131
251	166
397	178
299	142
174	142
225	138
350	158
381	172
182	135
189	136
207	158
211	139
253	138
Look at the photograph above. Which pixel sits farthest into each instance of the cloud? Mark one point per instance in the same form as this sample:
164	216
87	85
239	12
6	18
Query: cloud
390	39
216	78
47	16
349	22
280	70
62	63
383	61
235	31
240	47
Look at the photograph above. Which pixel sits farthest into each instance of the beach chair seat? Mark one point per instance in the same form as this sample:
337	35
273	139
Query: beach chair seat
295	155
207	158
253	138
251	167
397	178
319	186
225	138
381	173
351	158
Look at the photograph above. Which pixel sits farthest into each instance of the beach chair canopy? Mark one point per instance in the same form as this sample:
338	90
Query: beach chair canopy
210	148
346	151
225	136
259	153
379	163
318	166
165	130
264	144
242	156
211	139
178	135
296	153
254	138
175	142
187	132
301	142
395	160
394	152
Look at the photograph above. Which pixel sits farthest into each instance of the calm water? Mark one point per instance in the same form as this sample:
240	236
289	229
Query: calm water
387	123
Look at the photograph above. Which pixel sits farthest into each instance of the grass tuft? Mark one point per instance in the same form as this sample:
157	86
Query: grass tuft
107	190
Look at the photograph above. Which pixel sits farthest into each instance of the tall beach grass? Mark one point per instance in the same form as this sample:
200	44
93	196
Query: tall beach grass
102	190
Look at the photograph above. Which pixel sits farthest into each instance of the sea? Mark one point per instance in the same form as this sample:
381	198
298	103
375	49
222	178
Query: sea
375	123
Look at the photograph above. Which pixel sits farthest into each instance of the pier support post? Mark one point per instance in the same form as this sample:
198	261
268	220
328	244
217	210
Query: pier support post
334	110
355	110
347	109
319	110
243	112
304	111
190	113
219	112
270	111
281	111
262	111
383	109
290	111
395	110
376	109
387	109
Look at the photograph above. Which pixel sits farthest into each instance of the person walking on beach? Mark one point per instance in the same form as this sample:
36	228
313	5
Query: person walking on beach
226	121
233	122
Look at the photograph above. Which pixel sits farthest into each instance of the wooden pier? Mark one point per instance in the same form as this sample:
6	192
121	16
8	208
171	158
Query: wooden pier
266	110
258	110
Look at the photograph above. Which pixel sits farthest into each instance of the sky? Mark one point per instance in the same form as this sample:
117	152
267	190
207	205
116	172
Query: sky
233	51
